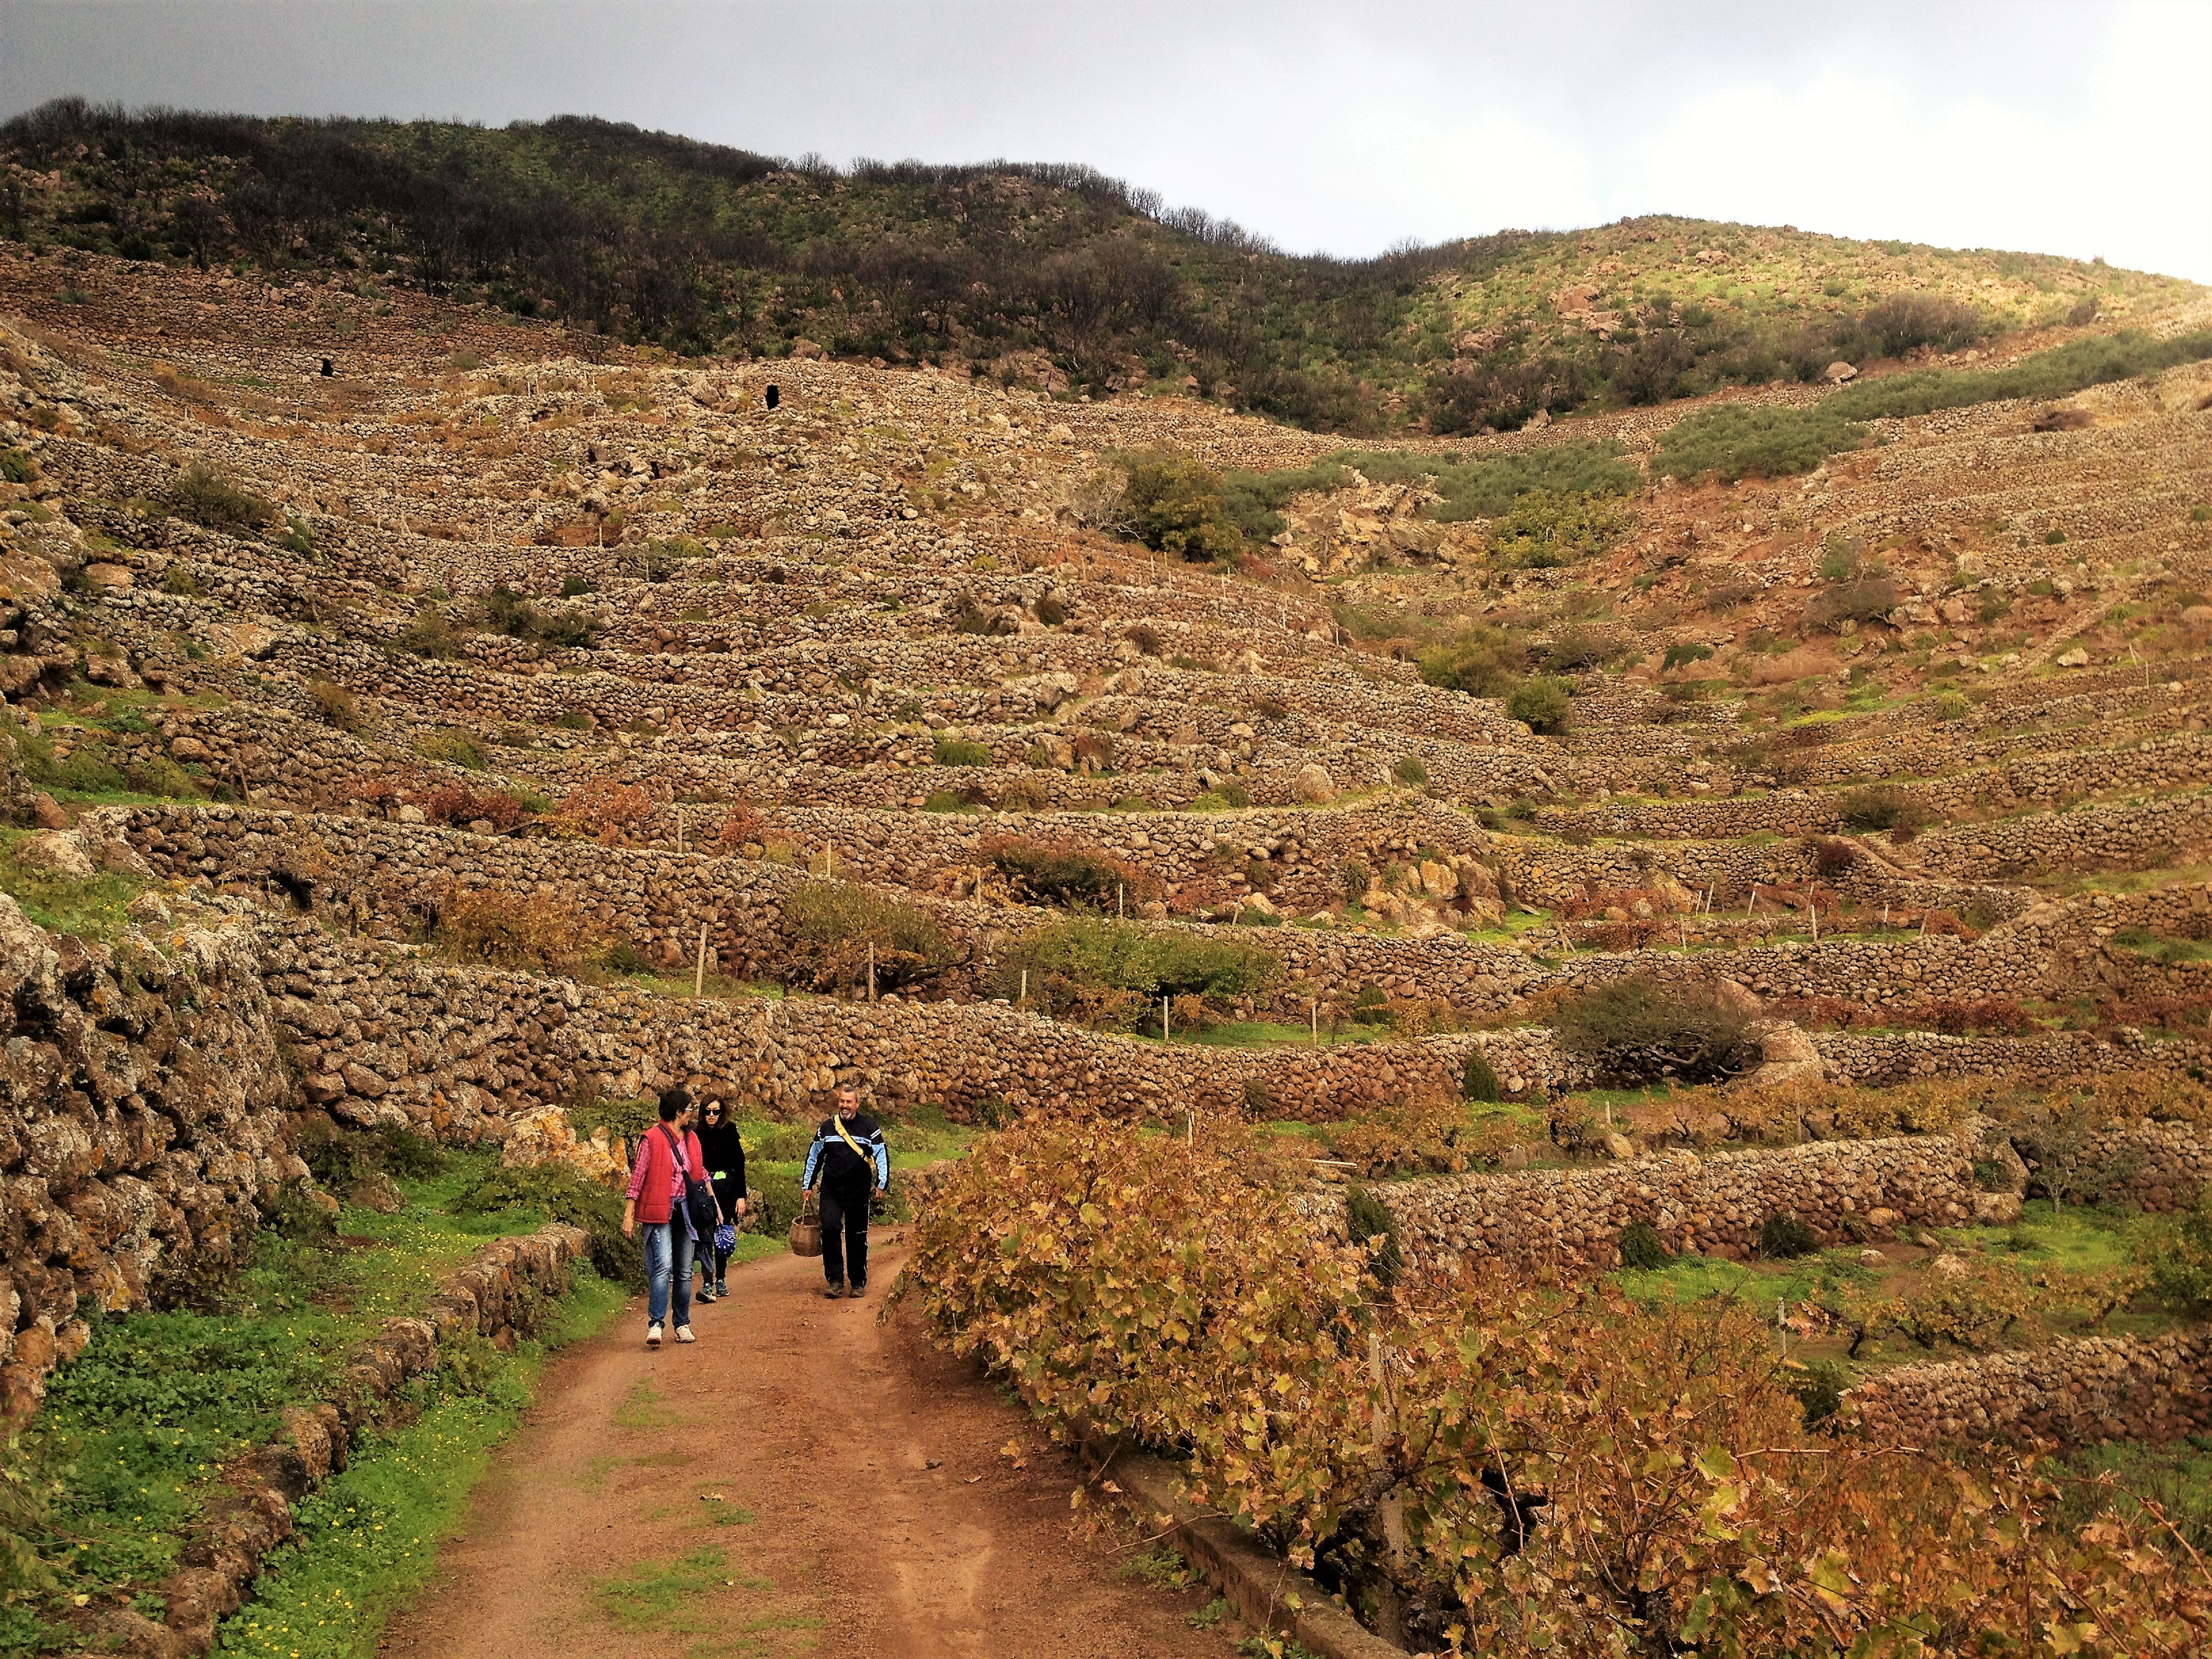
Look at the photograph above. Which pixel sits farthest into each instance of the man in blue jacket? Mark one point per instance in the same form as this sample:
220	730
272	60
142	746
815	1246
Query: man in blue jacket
850	1165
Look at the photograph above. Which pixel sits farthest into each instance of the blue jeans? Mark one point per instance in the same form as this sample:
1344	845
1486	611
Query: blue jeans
667	1257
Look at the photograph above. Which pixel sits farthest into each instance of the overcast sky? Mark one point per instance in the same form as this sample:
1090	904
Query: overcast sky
2064	126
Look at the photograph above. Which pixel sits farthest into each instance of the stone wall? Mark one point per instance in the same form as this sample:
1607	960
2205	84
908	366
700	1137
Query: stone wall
2070	1393
1713	1204
142	1113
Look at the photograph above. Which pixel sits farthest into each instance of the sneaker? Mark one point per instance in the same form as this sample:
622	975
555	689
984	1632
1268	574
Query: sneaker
683	1333
653	1334
856	1291
706	1294
721	1291
835	1291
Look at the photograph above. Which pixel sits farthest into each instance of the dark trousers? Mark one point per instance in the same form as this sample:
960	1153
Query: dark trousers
726	1194
845	1236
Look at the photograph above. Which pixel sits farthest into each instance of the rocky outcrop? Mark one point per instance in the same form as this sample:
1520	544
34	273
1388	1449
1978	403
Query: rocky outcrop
141	1115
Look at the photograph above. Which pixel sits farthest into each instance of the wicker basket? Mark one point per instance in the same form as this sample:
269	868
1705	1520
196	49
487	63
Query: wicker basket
807	1231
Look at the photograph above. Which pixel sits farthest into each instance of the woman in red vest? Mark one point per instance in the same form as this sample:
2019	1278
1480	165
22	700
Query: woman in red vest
667	1155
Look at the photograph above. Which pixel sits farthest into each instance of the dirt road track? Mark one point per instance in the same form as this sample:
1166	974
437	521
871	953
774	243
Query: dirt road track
801	1480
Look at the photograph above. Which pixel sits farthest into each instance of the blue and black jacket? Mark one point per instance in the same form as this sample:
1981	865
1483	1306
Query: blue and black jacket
842	1171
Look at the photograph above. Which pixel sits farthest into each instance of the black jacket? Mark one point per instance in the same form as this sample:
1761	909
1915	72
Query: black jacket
834	1165
726	1154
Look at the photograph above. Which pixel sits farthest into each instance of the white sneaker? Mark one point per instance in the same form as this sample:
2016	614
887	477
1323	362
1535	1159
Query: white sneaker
683	1333
653	1334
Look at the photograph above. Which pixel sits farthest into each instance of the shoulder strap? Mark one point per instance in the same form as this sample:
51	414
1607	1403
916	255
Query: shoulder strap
676	1151
859	1151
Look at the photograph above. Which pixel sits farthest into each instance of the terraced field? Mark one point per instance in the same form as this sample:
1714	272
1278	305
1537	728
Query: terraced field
523	724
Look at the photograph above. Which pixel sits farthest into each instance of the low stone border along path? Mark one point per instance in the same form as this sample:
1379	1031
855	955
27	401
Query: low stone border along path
800	1480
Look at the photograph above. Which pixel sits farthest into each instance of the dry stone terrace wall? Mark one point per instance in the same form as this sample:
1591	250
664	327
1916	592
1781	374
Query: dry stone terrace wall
142	1111
1879	1059
393	875
2133	835
2069	1394
1714	1204
382	1036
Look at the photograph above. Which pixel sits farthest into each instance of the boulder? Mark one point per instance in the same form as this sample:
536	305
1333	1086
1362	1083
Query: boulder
1313	787
62	851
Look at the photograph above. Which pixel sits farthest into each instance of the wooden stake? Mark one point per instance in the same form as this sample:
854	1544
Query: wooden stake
1312	1013
871	971
699	977
1121	906
1025	986
1164	1037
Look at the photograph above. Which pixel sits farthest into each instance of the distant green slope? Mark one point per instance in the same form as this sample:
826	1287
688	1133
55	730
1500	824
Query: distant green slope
1052	274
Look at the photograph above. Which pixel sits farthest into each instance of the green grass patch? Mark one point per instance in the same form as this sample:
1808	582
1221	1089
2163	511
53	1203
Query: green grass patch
90	909
2056	373
1732	441
366	1542
133	1434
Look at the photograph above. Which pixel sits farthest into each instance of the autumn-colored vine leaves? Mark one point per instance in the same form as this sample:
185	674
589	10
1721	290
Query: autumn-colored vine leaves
1488	1465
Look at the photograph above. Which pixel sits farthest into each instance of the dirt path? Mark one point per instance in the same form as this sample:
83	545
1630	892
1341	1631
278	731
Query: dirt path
802	1480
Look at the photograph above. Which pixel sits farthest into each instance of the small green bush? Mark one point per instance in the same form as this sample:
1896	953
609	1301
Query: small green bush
1483	662
959	751
1733	440
453	746
213	502
1819	1389
16	466
1543	701
1638	1030
1227	796
1478	1080
1176	504
941	801
1681	655
564	1196
1367	1221
1784	1238
429	632
2057	372
831	926
1062	872
1412	770
1880	807
1545	529
1642	1249
1113	973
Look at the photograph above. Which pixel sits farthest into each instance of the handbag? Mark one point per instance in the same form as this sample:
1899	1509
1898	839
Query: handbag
699	1205
807	1231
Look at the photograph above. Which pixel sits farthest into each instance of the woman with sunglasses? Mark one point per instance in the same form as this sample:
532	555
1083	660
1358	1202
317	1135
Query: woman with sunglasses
725	1152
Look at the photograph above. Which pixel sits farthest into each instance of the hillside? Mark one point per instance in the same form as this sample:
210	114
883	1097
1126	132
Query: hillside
1666	954
1049	276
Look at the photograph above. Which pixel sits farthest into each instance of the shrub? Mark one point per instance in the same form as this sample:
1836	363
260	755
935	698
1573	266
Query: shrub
2057	372
604	809
1905	322
1735	440
1374	1229
831	928
1577	648
1109	973
1881	807
1642	1249
1547	529
1542	701
335	706
1484	662
429	632
1640	1030
1865	598
1352	877
453	747
1226	796
959	751
1833	858
2177	1251
507	612
1785	1238
457	804
564	1195
1175	504
1062	872
1412	770
971	616
941	801
1819	1389
206	498
337	1157
503	929
1684	653
17	466
1478	1078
